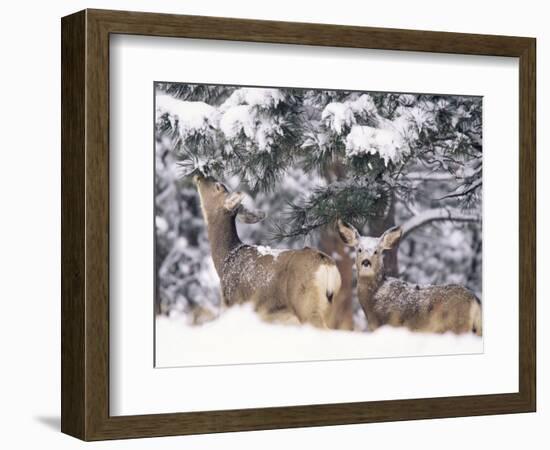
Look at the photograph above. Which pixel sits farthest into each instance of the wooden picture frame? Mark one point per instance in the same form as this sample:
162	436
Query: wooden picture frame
85	224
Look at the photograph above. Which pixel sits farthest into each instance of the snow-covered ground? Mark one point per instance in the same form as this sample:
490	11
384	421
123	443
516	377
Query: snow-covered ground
239	336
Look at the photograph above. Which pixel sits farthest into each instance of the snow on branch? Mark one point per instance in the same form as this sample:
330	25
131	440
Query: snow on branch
465	190
342	116
191	117
259	97
363	139
437	214
430	176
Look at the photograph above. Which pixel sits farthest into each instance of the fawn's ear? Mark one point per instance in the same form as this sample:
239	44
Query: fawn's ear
390	238
247	216
348	233
233	201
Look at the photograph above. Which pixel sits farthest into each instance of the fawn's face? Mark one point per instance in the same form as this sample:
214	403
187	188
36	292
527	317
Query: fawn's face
369	251
369	258
218	202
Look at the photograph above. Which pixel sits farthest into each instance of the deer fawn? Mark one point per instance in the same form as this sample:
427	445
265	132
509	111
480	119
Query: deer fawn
389	301
289	286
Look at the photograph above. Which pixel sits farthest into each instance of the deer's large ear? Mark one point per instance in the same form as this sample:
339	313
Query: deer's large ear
390	238
247	216
348	233
233	200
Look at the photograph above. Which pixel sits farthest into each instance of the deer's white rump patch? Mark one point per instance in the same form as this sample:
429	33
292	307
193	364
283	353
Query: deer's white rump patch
328	279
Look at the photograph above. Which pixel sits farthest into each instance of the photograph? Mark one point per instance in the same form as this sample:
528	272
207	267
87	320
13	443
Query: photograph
300	224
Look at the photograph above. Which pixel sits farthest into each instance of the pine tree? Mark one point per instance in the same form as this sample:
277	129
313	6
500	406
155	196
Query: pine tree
311	156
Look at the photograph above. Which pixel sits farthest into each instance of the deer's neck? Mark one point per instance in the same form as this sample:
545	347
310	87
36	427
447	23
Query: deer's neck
367	288
223	237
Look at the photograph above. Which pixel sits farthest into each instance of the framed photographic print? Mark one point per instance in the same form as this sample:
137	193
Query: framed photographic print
271	224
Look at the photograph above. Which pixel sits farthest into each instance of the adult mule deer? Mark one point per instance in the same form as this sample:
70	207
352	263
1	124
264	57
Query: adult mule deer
289	286
390	301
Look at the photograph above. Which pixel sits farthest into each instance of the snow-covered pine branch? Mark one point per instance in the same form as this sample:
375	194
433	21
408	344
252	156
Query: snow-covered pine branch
187	118
437	214
385	143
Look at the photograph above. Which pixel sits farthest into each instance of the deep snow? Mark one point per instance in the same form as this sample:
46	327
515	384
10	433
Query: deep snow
239	336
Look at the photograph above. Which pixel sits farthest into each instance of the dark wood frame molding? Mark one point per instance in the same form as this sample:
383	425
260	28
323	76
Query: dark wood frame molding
85	224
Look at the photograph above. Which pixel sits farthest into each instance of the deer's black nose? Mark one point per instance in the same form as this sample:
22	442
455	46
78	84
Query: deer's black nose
365	263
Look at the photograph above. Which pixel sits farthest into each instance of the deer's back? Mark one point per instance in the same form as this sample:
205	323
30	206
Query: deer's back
424	308
274	280
245	272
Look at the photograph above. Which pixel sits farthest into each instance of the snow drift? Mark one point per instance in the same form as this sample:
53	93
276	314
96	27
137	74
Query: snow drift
238	336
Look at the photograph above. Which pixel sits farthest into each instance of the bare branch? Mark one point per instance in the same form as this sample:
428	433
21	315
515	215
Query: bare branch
432	176
437	214
465	191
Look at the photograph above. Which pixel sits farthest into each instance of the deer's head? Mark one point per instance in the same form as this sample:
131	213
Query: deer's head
369	251
219	203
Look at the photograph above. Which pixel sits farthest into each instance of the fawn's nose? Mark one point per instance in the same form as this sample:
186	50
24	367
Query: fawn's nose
365	263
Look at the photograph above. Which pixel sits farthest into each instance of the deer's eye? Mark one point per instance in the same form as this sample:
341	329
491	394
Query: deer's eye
359	250
376	252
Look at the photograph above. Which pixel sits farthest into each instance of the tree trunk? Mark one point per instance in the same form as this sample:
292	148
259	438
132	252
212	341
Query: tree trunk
376	227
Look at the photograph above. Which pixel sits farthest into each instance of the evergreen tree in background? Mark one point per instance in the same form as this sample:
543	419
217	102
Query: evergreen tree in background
308	157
